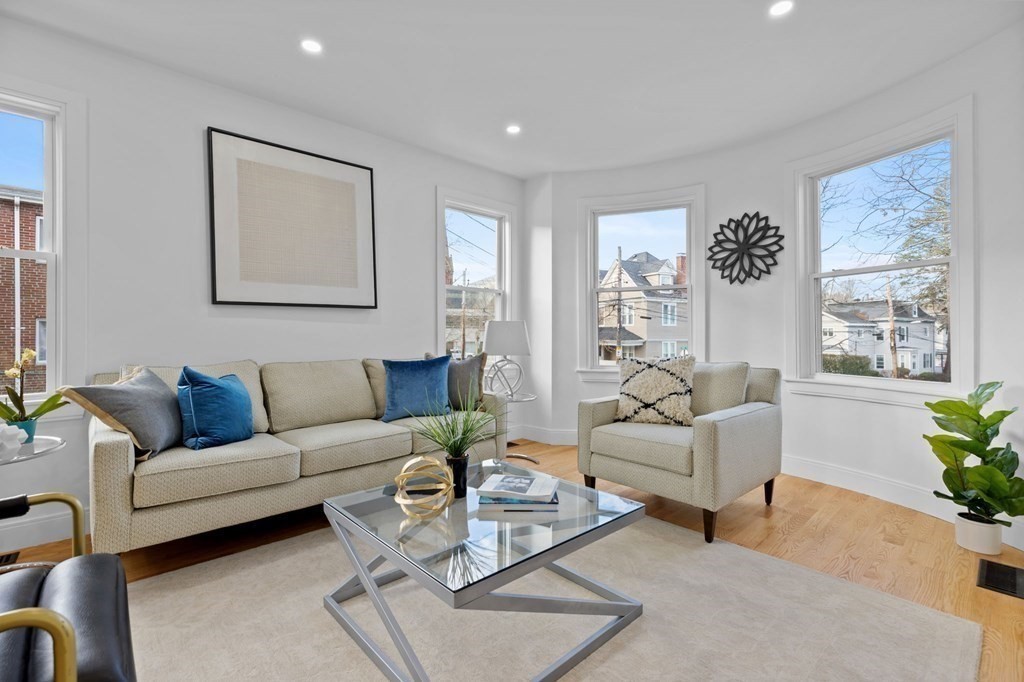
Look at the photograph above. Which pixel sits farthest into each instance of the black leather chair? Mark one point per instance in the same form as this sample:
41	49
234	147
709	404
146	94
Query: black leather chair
66	621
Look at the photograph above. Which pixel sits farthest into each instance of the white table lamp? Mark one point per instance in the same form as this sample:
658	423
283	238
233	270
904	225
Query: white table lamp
506	338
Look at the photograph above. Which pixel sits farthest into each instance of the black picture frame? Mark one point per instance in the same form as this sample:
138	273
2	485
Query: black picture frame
211	131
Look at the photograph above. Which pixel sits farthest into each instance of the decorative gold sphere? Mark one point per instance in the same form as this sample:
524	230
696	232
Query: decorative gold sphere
440	479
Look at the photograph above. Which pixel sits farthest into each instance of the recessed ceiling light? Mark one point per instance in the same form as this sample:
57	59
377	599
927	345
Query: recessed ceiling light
312	46
781	8
513	129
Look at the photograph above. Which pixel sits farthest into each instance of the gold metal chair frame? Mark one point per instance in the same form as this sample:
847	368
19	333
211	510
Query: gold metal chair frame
65	664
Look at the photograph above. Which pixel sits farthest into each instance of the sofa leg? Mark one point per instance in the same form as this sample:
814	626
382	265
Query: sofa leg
710	518
769	488
589	481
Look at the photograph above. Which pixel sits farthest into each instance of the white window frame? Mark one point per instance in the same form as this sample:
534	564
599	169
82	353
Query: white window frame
505	214
803	312
628	352
53	115
879	361
669	316
588	267
668	349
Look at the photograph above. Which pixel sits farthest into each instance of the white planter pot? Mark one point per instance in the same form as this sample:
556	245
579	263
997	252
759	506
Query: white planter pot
983	538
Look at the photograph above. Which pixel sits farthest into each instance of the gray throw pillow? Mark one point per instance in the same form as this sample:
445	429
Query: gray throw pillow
465	376
141	405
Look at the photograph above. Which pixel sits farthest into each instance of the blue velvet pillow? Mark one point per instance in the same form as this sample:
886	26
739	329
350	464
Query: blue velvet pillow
416	388
213	411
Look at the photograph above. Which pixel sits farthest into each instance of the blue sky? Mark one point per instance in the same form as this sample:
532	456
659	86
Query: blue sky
472	244
662	233
21	151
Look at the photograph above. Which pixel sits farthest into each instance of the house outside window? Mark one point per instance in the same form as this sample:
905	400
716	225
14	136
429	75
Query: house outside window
473	235
668	314
27	258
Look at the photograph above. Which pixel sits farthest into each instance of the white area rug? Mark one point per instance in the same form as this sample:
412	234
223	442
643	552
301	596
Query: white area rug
711	612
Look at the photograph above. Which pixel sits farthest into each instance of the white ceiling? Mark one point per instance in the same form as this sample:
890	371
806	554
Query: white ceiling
594	83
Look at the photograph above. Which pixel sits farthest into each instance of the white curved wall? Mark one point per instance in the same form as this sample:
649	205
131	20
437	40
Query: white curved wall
872	448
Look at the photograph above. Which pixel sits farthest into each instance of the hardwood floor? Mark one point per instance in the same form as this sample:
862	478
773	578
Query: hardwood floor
845	534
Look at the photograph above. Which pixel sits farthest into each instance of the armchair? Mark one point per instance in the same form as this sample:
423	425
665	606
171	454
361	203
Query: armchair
66	621
734	445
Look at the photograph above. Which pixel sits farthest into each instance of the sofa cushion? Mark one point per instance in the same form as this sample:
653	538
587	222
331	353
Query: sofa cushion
656	391
90	592
378	378
246	370
419	443
663	446
18	590
718	386
331	447
302	394
141	405
182	474
214	411
416	388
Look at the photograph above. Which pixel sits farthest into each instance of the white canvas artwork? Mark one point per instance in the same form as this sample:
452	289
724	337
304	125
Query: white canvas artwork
289	227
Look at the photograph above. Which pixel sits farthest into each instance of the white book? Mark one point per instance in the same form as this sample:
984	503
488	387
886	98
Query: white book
519	487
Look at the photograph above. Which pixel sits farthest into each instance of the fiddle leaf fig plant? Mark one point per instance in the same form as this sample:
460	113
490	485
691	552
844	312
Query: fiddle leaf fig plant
991	487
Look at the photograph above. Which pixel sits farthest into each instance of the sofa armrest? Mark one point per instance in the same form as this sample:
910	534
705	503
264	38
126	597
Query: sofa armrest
111	467
734	451
592	413
497	404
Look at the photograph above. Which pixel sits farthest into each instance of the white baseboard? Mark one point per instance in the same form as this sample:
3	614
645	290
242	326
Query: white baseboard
884	488
543	435
36	529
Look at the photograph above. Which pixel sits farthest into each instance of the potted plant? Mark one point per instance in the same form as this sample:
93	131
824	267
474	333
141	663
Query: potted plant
986	489
456	432
14	413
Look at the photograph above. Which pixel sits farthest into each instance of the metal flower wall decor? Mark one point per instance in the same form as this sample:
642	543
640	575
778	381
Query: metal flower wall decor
745	248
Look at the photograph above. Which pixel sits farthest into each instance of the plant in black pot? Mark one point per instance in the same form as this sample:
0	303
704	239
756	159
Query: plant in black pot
456	432
987	489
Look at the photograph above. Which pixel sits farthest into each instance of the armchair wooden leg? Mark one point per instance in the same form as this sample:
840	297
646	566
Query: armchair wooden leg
769	488
710	518
589	481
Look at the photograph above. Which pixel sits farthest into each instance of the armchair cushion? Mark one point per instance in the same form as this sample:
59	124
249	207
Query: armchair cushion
718	386
90	592
18	590
663	446
656	391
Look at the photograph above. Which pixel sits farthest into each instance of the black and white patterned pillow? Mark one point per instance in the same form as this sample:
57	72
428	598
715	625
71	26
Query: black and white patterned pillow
656	391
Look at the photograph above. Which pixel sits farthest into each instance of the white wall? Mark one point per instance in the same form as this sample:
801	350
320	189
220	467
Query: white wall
868	447
145	264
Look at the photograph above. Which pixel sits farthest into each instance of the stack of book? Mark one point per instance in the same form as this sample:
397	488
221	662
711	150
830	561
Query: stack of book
527	498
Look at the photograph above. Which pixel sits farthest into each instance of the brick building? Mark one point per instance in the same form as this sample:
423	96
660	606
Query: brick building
21	215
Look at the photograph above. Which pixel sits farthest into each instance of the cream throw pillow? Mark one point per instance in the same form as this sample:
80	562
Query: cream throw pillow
656	391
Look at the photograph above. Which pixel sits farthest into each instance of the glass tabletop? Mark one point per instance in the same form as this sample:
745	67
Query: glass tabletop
465	544
39	447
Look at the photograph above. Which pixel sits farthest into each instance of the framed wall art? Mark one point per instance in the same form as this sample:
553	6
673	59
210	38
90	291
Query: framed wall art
289	227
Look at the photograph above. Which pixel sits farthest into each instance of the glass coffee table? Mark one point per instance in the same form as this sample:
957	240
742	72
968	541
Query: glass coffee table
465	554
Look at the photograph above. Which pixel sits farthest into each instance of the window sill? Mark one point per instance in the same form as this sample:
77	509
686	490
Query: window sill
603	376
906	394
69	412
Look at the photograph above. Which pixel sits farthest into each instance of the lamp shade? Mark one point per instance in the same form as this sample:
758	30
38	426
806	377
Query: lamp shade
506	338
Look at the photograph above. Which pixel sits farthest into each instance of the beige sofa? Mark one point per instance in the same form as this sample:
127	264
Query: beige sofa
317	433
734	445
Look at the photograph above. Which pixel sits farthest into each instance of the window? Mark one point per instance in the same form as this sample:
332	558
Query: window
633	253
926	361
41	342
879	362
668	349
828	332
627	314
924	332
668	314
27	262
633	250
628	352
883	229
473	251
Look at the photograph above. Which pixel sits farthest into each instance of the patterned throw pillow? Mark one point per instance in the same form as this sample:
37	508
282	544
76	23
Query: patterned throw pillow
656	391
